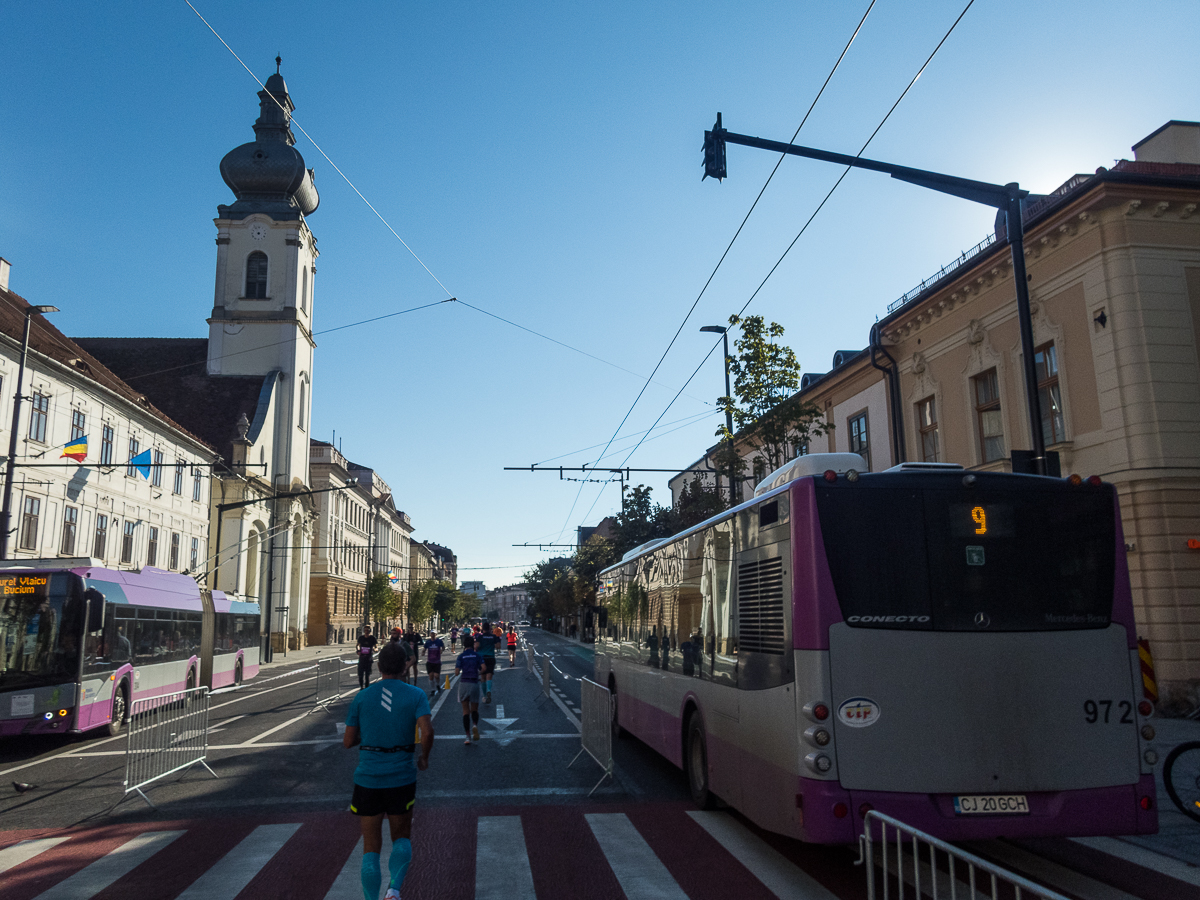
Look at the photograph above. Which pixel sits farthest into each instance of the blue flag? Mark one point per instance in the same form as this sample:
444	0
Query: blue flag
141	462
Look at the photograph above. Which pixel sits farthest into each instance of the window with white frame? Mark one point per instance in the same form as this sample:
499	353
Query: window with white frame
256	276
127	543
107	439
134	447
156	469
196	488
173	563
30	514
100	540
152	546
195	557
179	467
39	413
78	424
70	527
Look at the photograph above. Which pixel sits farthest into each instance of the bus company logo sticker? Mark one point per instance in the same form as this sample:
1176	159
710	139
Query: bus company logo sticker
858	712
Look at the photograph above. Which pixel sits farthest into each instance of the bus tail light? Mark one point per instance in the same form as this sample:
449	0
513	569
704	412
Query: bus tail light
1146	803
1094	480
830	476
864	809
1076	479
819	762
821	712
1145	707
840	810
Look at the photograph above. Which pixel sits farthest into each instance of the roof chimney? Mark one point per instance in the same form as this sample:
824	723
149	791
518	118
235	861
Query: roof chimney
5	266
1175	142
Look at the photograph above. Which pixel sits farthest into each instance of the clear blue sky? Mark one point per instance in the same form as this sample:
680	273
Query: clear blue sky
543	160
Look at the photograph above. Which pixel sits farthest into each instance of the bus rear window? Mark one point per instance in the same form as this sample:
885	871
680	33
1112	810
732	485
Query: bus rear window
1032	557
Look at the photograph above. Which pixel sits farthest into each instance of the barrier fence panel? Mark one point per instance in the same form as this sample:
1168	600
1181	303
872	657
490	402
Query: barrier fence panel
546	676
529	661
899	856
167	734
329	682
596	737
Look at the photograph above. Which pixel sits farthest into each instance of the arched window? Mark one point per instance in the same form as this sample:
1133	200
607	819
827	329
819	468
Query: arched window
303	415
256	276
304	290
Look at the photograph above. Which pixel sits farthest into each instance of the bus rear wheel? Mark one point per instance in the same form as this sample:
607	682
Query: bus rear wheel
120	709
695	762
191	679
237	673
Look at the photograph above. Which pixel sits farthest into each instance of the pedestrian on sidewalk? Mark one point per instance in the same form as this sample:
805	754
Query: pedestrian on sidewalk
485	644
433	660
366	650
469	667
383	720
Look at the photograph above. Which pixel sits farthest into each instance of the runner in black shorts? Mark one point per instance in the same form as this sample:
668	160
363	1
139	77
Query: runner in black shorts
383	719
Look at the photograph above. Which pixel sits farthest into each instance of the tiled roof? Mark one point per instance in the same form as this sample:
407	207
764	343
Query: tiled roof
48	341
173	372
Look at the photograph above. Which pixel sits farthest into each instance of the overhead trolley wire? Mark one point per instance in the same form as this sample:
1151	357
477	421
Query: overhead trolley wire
804	228
716	268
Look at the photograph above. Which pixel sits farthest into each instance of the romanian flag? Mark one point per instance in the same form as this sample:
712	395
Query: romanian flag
76	450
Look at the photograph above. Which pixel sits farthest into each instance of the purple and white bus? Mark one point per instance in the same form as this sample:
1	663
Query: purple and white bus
955	649
79	644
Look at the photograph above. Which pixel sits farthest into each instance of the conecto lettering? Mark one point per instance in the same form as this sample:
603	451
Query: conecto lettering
867	620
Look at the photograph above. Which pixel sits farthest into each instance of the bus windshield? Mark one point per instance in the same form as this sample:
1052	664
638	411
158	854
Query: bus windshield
988	558
41	619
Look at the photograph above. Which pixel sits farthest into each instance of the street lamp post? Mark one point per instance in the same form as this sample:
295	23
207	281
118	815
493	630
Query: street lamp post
10	468
724	332
1006	197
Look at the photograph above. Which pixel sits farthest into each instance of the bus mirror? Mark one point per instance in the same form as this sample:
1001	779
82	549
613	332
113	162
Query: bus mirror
95	616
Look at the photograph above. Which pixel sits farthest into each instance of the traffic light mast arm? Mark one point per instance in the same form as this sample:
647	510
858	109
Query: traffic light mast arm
995	195
1006	197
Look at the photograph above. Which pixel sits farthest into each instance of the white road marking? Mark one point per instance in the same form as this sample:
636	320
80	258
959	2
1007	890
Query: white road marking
237	867
124	859
26	850
639	871
500	847
782	878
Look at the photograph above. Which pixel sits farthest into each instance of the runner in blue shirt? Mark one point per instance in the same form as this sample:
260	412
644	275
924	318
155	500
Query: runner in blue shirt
485	645
383	719
433	660
469	666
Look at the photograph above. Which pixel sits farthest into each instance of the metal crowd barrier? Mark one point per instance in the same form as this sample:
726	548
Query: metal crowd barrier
529	662
329	683
915	861
546	676
167	734
596	737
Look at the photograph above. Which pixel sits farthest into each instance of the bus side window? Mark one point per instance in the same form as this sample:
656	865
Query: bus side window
720	643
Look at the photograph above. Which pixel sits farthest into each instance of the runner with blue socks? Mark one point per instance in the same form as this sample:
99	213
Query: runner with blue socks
485	646
382	721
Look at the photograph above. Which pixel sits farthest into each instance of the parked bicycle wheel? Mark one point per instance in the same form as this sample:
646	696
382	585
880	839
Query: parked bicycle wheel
1181	773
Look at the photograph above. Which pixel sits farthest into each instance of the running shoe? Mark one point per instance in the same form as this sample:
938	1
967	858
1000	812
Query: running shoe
489	697
475	732
392	894
467	742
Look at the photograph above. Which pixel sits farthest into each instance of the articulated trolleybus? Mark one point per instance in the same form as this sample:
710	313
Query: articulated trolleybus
955	649
80	643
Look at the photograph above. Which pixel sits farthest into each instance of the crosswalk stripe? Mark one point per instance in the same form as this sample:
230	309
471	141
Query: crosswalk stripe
781	877
639	871
348	884
237	867
500	848
26	850
94	878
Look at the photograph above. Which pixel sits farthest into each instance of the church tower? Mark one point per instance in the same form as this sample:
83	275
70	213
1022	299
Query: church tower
260	334
266	264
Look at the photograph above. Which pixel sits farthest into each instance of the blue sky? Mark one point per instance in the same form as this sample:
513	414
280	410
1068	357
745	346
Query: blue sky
543	161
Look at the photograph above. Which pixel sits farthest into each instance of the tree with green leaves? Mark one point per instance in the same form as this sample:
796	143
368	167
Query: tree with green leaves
767	415
382	602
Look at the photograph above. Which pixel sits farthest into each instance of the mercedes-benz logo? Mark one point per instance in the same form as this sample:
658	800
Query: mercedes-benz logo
982	620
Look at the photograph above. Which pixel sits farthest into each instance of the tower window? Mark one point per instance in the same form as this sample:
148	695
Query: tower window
256	276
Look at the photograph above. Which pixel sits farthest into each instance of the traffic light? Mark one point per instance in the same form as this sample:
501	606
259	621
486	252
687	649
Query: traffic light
714	152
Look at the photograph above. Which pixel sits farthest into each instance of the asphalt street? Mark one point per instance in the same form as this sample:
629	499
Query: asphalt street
509	816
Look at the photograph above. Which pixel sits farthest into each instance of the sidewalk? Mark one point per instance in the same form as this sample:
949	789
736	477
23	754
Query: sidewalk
309	655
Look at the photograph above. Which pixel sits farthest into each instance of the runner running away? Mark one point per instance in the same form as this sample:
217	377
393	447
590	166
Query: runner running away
383	720
433	660
485	646
512	646
413	642
453	637
469	666
366	647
